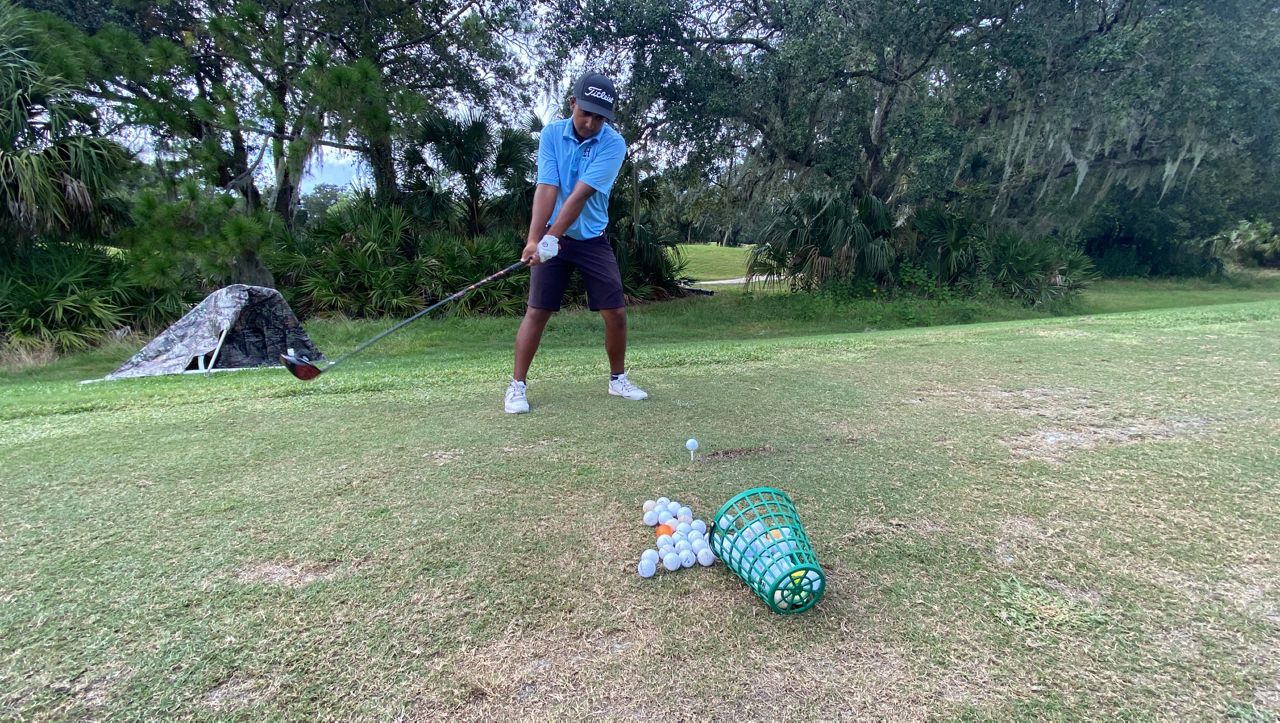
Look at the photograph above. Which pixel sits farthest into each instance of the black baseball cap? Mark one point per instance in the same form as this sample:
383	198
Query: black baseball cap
595	93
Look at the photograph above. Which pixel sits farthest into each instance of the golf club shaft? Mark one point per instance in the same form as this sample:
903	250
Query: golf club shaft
486	280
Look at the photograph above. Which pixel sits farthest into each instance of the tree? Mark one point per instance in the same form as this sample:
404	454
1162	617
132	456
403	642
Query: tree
1024	107
492	173
55	171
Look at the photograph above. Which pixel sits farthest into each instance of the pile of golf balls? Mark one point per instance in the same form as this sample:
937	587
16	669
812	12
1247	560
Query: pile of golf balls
681	539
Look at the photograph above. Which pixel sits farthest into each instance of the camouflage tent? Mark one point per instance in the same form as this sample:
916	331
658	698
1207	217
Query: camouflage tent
233	328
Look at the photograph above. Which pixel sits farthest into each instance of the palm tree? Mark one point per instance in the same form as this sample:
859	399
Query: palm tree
54	173
818	237
492	173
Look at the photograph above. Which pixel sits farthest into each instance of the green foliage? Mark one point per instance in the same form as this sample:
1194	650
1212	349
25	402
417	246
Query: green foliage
367	260
1251	243
471	174
820	240
1035	271
649	258
199	239
56	174
1132	235
69	297
60	297
819	237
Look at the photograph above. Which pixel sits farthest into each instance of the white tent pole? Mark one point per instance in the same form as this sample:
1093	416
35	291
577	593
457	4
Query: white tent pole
218	349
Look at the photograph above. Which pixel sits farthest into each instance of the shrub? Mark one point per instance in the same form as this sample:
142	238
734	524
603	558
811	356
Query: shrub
1251	243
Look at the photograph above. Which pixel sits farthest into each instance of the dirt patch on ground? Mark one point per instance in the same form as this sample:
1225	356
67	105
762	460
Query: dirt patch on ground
736	453
289	573
636	672
234	693
1077	419
443	456
1050	402
885	528
1055	444
1254	589
540	444
1016	536
95	689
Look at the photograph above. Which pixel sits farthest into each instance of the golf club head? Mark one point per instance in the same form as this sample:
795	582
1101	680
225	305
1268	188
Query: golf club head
300	367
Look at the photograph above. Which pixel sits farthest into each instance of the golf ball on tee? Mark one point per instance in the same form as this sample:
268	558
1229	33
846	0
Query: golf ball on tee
649	505
705	558
687	558
671	561
651	518
649	555
691	445
647	567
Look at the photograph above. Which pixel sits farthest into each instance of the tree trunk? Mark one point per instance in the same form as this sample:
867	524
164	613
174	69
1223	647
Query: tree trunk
386	183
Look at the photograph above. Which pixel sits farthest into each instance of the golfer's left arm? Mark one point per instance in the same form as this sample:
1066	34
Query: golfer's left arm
571	209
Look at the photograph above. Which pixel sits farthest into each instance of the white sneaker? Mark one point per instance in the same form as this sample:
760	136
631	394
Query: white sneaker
622	387
516	403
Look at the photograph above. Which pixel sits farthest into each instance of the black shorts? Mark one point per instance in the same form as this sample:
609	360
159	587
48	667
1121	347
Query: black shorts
594	259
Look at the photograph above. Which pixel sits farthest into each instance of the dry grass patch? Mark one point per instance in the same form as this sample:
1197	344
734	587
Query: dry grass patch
638	672
1079	420
290	573
1055	444
234	693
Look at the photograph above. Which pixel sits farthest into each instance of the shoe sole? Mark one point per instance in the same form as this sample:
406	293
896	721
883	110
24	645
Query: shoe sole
516	411
629	399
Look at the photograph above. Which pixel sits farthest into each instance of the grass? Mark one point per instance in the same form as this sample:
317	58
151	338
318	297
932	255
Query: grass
709	262
1036	518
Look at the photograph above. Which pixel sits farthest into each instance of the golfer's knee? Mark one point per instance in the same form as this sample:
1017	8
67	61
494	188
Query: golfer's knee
538	316
614	317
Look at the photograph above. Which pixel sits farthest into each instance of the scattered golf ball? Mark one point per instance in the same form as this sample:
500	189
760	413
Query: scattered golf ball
684	514
684	528
700	526
649	505
650	554
651	518
673	508
687	558
665	517
671	561
665	540
706	558
647	567
683	545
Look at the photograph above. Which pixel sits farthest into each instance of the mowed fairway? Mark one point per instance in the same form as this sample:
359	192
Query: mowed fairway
1049	518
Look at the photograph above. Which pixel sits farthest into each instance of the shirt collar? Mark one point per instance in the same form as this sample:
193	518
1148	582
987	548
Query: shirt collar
568	131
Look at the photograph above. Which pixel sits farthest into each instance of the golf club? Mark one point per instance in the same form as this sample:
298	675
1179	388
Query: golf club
303	368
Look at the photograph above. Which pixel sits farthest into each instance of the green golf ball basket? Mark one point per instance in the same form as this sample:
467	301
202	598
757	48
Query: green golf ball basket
759	537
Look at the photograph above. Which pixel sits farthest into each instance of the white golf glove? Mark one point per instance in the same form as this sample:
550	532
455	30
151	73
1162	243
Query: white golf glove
548	247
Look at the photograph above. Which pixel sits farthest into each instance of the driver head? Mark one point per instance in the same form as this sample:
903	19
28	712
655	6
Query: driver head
300	367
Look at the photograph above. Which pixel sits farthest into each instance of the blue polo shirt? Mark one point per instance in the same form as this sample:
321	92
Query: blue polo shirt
563	161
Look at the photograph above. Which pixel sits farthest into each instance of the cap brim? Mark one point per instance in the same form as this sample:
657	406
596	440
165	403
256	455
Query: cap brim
593	107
